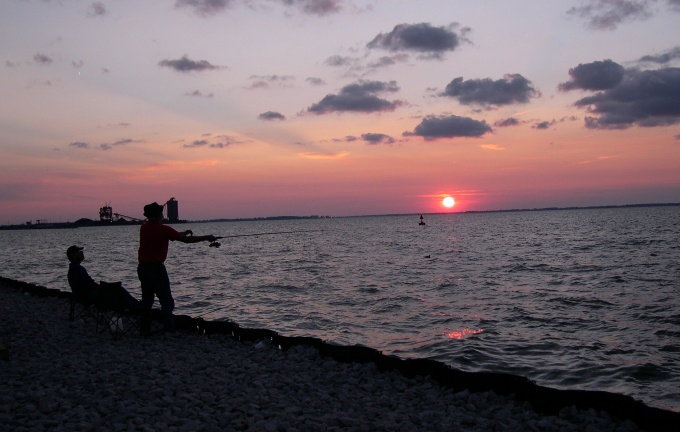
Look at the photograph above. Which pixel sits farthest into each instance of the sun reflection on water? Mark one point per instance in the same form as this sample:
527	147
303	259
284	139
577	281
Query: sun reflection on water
461	334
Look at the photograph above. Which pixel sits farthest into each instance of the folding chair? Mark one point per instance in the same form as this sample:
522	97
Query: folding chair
81	307
112	313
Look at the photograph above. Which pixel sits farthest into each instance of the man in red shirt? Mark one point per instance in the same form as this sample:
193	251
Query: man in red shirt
153	250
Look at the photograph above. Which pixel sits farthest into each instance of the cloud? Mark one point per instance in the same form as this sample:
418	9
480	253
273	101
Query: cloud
644	98
507	122
316	7
208	8
39	83
79	145
598	75
542	125
43	59
511	89
608	14
386	61
196	143
107	146
204	7
96	9
340	61
126	141
315	81
264	81
432	127
422	38
271	116
199	94
663	58
358	97
218	142
348	138
377	138
324	156
186	65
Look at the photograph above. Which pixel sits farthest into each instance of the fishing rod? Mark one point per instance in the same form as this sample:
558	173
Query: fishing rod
217	244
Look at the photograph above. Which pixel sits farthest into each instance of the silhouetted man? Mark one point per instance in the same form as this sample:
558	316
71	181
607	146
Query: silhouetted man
154	238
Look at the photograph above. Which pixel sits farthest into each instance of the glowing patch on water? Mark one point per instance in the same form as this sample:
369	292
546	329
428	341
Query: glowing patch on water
461	334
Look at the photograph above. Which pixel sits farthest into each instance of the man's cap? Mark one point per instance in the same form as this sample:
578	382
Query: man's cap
152	210
72	249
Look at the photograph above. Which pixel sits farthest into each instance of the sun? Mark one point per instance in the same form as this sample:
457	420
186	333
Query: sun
448	202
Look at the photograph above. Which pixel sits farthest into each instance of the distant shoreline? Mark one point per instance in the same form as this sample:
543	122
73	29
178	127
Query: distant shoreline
577	208
92	223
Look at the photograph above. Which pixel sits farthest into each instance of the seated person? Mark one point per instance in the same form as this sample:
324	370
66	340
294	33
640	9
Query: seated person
85	288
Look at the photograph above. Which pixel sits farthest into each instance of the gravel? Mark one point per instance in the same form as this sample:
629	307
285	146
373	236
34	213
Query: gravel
58	375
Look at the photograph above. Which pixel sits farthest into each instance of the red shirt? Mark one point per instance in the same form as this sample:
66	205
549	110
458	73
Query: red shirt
153	241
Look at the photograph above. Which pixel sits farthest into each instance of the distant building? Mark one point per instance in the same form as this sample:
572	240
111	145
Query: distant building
106	214
173	210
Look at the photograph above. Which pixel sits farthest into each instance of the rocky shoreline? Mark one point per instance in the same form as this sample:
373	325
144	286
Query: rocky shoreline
57	375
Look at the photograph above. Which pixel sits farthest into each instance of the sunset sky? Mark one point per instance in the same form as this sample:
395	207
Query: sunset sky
254	108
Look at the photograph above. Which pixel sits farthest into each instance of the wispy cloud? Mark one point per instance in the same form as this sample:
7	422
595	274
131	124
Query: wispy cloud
118	143
377	138
204	7
315	7
493	147
315	81
543	125
199	94
96	9
217	142
186	65
79	145
267	81
598	159
608	14
664	57
207	8
42	59
511	121
271	116
324	156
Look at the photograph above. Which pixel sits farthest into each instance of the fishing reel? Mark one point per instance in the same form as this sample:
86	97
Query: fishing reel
215	244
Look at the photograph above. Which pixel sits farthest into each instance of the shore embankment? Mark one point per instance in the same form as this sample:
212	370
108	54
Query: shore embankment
59	375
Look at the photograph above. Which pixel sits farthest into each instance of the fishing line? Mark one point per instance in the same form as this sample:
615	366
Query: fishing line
217	244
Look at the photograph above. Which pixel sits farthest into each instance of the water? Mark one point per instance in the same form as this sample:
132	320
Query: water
572	299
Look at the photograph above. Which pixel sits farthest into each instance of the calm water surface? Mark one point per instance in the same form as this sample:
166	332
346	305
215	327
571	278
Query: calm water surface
580	299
